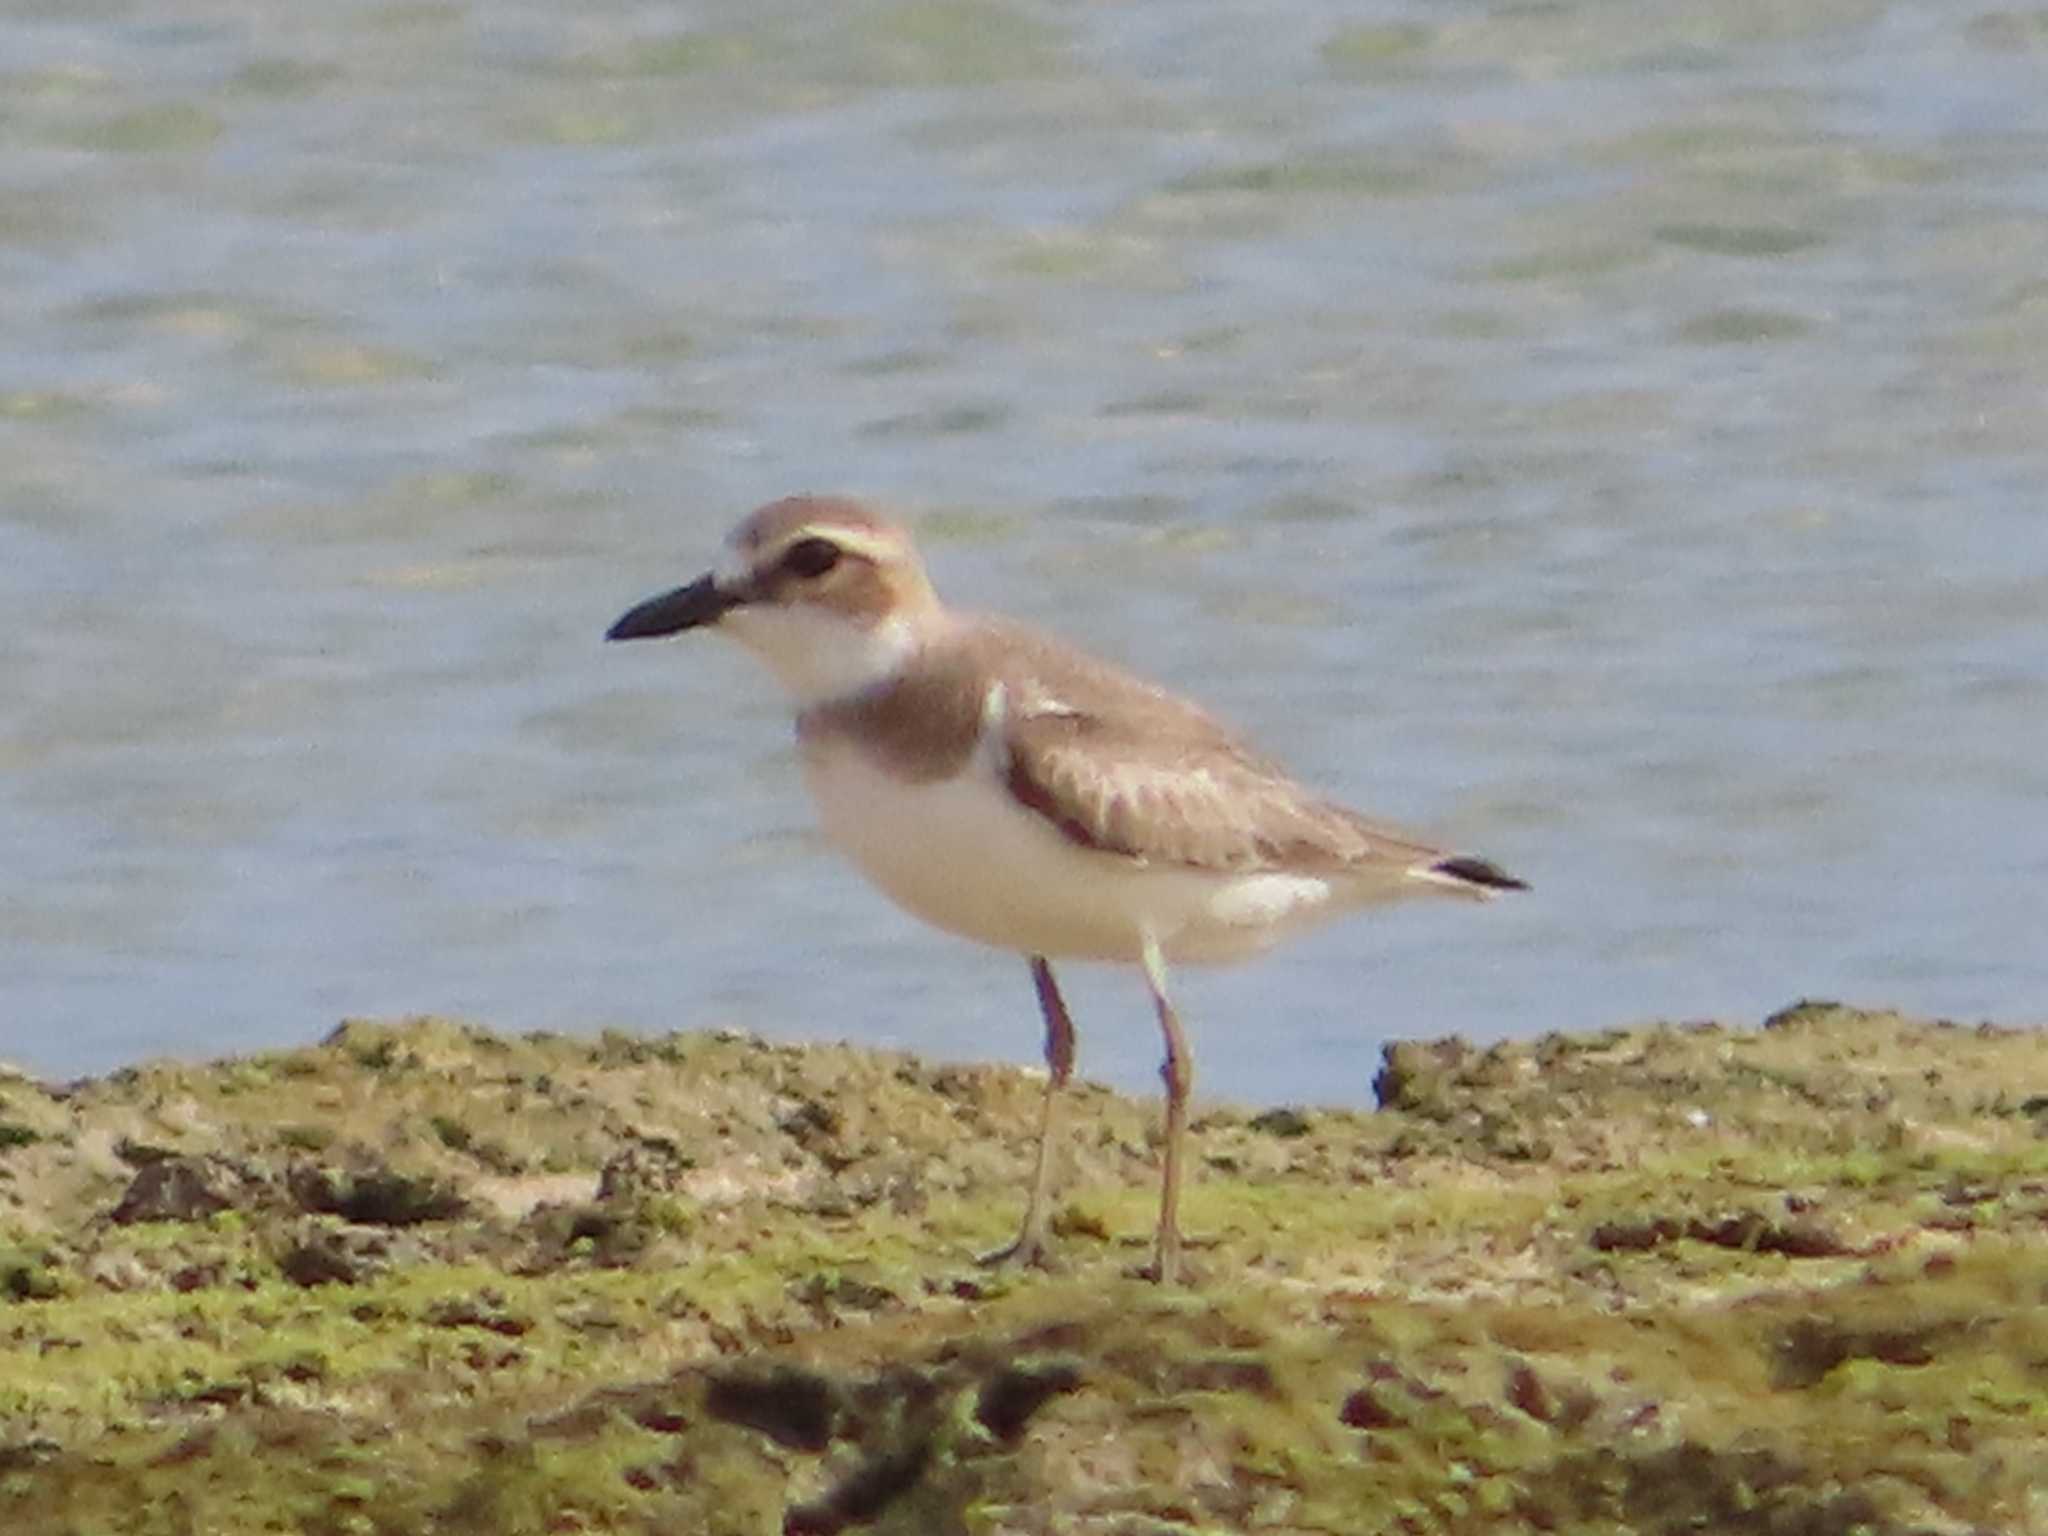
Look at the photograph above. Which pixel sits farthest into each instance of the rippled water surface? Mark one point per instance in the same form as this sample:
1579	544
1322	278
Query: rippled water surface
1610	434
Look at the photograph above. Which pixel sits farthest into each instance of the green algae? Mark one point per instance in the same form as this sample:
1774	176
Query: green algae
426	1278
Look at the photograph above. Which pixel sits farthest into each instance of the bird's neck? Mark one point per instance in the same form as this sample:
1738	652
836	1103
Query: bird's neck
820	660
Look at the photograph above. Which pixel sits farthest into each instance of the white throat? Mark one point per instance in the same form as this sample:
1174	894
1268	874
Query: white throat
818	655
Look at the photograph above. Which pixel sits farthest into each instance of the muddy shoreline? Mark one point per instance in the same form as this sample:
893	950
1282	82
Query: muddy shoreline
423	1277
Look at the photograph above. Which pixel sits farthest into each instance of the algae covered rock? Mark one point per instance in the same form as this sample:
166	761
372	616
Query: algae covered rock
422	1277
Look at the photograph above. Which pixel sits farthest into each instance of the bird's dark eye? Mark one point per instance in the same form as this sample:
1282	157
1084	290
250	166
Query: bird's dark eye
810	558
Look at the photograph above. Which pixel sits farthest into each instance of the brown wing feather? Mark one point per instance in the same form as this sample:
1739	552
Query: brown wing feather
1127	768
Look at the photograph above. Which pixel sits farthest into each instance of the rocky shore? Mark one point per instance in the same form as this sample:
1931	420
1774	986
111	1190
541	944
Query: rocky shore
426	1278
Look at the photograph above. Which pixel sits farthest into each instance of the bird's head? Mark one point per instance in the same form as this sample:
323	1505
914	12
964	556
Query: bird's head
831	595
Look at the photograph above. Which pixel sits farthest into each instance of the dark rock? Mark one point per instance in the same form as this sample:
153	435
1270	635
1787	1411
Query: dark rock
328	1255
834	1292
1284	1122
485	1310
1367	1409
659	1419
29	1277
20	1455
377	1197
184	1189
1807	1010
612	1237
1009	1398
1814	1346
794	1408
650	1166
1753	1233
1530	1393
187	1278
868	1490
1414	1075
323	1260
1634	1236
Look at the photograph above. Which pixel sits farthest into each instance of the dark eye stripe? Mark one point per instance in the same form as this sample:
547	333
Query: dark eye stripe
808	558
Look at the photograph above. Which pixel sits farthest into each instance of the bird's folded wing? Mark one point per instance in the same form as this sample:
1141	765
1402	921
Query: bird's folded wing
1197	799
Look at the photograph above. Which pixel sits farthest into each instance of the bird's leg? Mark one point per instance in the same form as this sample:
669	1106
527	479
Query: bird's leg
1177	1072
1030	1246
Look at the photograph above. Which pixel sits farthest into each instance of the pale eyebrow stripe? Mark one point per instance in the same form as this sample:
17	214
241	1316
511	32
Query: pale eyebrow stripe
850	540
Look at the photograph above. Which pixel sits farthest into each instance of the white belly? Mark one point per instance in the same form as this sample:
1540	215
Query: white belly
963	856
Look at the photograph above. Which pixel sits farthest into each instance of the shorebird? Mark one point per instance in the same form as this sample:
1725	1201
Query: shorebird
1004	786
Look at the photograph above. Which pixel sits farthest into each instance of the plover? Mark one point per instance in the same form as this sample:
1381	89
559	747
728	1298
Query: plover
1001	785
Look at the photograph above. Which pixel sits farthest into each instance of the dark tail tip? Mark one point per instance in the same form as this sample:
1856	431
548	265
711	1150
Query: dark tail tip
1480	872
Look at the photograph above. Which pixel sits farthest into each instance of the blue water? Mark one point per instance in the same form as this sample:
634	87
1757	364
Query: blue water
1610	436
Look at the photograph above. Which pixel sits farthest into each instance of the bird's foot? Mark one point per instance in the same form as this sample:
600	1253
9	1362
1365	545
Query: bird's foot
1171	1272
1169	1265
1029	1251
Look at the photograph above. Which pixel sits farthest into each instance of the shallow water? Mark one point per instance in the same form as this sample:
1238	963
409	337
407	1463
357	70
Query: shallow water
1608	435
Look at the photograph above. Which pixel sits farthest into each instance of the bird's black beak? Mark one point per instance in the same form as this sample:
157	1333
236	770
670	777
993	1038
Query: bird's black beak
703	601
